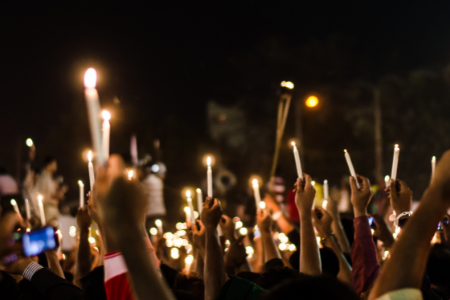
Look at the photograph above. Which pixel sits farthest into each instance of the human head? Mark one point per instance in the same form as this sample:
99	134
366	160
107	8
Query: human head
50	164
439	264
329	260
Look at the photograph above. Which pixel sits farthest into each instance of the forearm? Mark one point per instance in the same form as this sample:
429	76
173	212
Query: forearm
345	271
284	224
269	248
214	275
199	264
83	264
338	230
144	277
53	263
309	251
406	265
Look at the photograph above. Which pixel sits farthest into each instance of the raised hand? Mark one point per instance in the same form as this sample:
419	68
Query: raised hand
198	236
264	220
400	195
211	213
236	253
322	224
271	203
84	220
228	228
360	197
305	194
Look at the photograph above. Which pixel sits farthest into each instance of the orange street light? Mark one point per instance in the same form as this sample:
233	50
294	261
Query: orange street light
312	101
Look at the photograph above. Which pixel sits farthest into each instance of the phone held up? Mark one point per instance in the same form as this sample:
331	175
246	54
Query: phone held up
36	242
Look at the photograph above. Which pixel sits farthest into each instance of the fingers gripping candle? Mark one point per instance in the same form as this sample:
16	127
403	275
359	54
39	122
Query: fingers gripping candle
93	108
350	167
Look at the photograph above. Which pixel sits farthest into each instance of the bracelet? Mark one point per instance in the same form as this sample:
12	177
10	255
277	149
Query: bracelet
403	214
277	215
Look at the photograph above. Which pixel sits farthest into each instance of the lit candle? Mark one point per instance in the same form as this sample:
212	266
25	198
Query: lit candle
106	128
130	174
41	210
256	192
81	185
199	201
209	178
386	180
262	205
191	207
297	161
91	171
325	189
187	210
395	162
133	150
188	260
93	107
433	166
27	208
350	167
16	208
324	203
158	224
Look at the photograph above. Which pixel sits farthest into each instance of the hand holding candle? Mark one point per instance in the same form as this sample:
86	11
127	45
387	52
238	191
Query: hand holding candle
297	161
350	167
395	162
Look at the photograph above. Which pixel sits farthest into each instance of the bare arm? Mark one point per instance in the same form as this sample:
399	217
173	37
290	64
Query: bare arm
83	264
282	221
53	263
337	227
265	225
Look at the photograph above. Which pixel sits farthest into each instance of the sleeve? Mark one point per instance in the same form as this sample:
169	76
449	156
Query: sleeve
55	287
364	256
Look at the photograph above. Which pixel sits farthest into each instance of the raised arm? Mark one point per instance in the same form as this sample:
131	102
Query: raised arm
282	222
309	251
337	227
264	222
406	266
214	274
364	252
83	264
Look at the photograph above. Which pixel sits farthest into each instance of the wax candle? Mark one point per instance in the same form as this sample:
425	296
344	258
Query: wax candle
81	185
93	107
27	209
387	182
91	171
325	189
158	224
199	201
106	128
324	203
209	178
16	208
133	150
395	162
256	192
433	166
187	210
191	207
188	260
41	210
297	161
350	167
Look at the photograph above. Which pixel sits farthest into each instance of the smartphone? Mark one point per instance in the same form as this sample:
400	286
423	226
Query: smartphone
36	242
440	228
372	222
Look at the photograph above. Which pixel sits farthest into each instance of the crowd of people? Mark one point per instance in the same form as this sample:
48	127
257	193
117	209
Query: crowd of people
325	255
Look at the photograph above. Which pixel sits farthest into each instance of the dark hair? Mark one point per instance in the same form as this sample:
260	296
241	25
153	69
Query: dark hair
330	262
439	264
192	284
312	288
48	160
93	284
274	277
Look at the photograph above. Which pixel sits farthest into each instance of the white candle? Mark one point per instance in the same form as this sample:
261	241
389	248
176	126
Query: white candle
256	192
27	208
81	185
158	224
350	167
41	210
387	181
91	171
188	260
395	162
191	207
325	189
199	201
16	208
324	204
209	178
433	166
133	150
187	210
106	128
297	161
93	107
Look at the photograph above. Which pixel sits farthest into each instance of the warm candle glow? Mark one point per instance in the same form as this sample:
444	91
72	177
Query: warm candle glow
208	161
13	202
287	84
386	178
130	174
89	156
29	142
198	190
188	194
158	222
262	205
90	78
396	146
40	197
312	101
106	115
187	210
80	183
255	182
189	259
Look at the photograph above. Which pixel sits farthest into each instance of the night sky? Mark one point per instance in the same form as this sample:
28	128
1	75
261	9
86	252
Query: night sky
165	60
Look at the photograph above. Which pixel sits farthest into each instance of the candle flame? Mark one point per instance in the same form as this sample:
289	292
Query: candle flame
188	194
26	200
262	205
187	210
189	259
158	222
313	183
386	178
345	150
396	146
130	174
198	191
90	78
287	84
106	115
208	161
80	183
40	197
325	181
433	158
293	144
29	142
90	156
13	202
324	204
255	182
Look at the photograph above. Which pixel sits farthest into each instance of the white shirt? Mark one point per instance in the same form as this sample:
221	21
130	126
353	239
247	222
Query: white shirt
8	186
154	186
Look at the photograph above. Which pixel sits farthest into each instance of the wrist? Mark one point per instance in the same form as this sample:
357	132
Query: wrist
209	227
360	212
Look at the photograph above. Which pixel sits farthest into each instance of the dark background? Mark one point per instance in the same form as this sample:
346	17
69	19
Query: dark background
160	63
